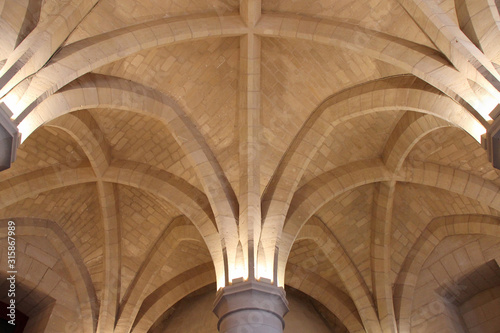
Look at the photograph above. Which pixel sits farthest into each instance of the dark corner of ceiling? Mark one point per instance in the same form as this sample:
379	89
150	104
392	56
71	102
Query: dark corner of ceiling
491	139
9	138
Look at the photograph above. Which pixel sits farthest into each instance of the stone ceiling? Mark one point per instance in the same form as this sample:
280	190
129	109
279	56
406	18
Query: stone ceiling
329	146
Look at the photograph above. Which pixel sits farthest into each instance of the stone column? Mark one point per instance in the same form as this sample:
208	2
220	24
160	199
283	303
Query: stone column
491	140
251	307
9	138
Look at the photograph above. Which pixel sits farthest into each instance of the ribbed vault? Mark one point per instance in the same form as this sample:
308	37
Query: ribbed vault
330	146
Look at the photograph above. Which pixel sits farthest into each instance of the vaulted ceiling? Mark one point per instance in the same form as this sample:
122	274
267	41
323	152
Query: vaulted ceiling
167	143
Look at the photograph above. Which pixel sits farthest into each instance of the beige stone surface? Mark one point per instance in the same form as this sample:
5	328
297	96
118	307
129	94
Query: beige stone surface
304	315
332	147
462	257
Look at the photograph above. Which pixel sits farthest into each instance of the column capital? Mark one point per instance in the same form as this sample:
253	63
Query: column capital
251	306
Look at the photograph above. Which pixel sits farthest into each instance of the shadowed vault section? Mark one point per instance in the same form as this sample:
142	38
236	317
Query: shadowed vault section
252	166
